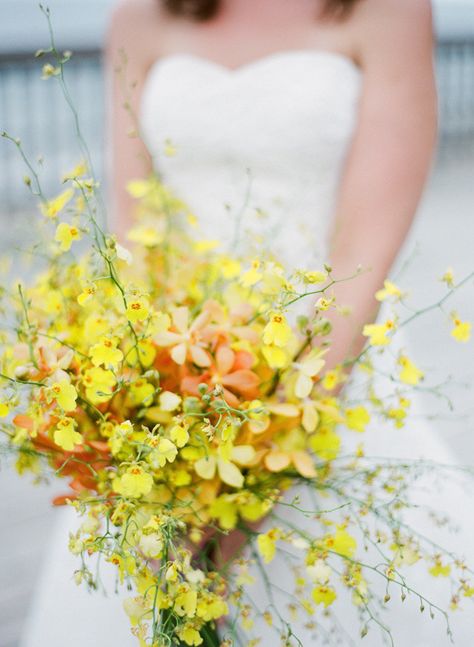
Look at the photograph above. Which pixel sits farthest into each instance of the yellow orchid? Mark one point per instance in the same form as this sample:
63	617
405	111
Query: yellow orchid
147	235
137	309
439	569
141	392
462	329
227	469
51	208
341	542
65	435
252	276
164	451
377	333
266	543
64	393
277	332
410	373
389	290
357	418
136	609
87	293
227	508
135	482
65	235
190	635
315	277
275	356
448	277
106	353
324	595
99	384
308	368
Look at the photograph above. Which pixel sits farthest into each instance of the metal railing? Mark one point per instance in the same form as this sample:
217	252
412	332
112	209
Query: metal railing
34	111
455	77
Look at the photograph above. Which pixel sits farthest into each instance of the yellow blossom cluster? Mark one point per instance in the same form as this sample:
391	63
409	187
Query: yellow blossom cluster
169	386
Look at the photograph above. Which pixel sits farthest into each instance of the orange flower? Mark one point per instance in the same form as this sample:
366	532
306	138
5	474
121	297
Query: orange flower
231	371
224	326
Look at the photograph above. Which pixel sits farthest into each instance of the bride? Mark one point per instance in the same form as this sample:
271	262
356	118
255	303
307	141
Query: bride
301	127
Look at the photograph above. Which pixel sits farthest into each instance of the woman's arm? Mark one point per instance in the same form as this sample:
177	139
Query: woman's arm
131	47
389	158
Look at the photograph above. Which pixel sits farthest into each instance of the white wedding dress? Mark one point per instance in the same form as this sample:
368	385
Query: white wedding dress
259	153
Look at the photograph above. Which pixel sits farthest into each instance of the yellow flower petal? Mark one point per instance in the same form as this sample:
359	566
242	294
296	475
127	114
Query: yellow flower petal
410	373
461	331
277	332
206	467
65	435
304	464
277	461
169	401
230	473
324	595
275	357
51	208
243	454
266	544
310	418
357	418
303	386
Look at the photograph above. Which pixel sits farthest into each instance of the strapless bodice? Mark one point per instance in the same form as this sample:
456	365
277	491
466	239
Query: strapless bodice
256	152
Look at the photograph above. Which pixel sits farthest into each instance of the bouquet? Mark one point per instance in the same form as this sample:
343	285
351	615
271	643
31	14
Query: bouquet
175	392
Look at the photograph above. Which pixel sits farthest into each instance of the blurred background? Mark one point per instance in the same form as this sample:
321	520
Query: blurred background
443	235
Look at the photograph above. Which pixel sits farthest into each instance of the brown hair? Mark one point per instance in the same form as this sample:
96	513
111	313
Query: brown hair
205	9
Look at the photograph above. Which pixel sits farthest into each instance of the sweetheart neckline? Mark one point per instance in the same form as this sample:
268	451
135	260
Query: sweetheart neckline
258	62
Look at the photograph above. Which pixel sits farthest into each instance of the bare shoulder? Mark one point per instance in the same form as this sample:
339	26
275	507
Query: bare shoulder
388	27
368	12
135	27
140	11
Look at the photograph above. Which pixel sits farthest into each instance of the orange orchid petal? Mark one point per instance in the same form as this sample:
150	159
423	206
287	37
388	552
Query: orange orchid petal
62	499
243	359
190	383
242	381
231	399
24	421
225	358
43	441
99	445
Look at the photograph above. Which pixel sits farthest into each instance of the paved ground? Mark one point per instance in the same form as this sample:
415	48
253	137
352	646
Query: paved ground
443	235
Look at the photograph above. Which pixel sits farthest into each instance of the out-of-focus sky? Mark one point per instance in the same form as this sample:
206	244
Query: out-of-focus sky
81	23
